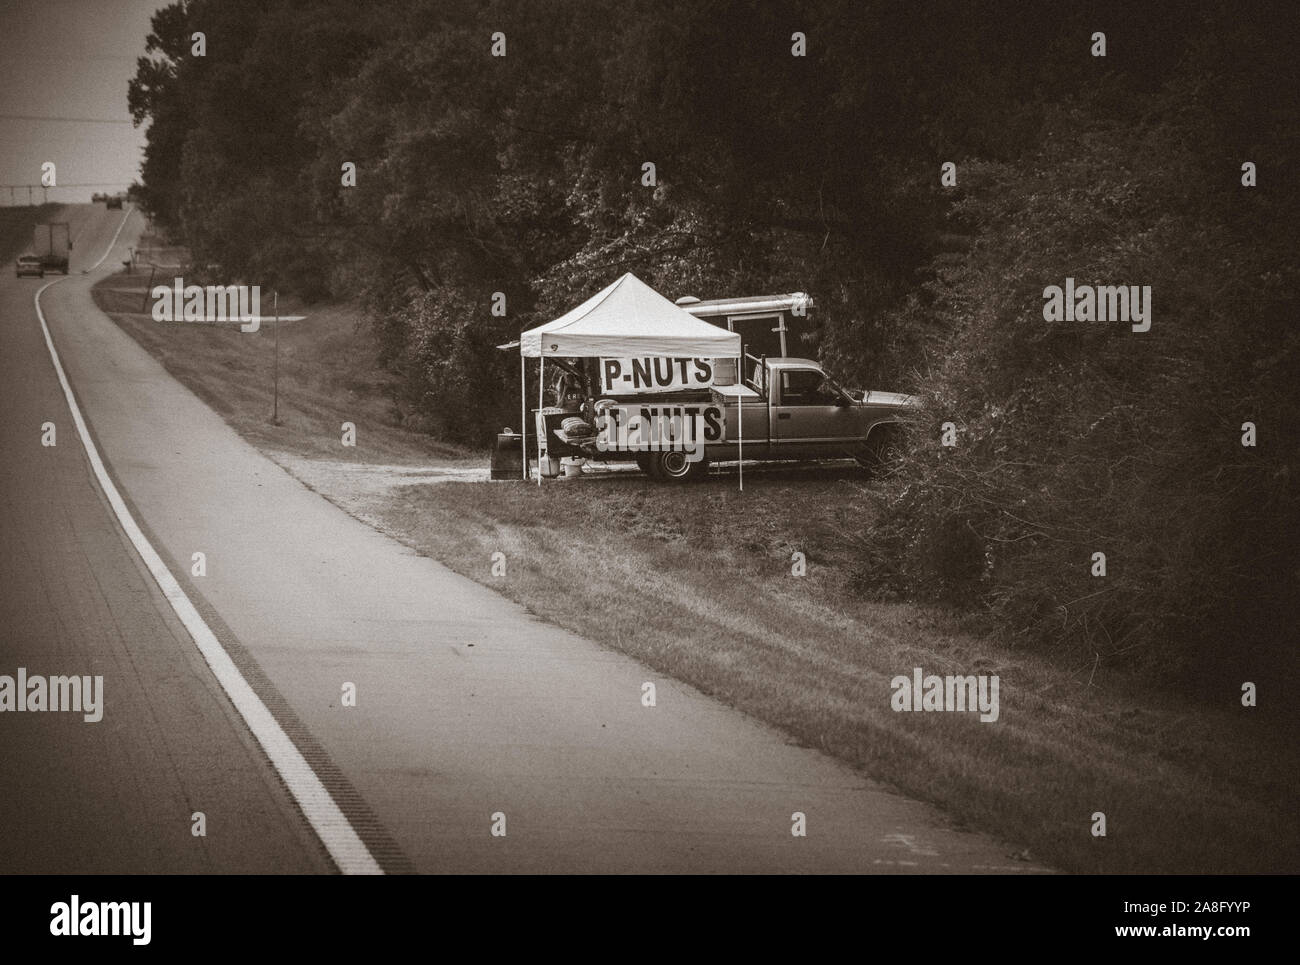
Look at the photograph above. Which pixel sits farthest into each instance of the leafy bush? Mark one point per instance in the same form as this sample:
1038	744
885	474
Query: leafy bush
1084	437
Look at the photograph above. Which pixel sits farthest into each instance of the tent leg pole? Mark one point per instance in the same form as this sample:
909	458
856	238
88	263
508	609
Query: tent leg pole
523	414
541	381
740	419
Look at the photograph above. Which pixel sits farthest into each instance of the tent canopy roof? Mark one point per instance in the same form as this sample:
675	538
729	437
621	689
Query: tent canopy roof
628	319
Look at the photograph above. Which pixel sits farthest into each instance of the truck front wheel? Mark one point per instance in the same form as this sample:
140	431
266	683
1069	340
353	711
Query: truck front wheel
881	450
673	466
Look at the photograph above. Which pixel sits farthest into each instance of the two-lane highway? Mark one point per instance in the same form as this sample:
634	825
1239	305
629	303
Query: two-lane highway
120	794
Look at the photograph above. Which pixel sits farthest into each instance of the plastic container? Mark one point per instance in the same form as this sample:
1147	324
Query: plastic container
508	457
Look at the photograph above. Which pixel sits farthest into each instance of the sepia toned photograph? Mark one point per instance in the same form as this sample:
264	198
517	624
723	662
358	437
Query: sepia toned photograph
650	437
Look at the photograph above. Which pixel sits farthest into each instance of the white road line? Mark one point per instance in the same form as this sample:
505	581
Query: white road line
116	234
349	852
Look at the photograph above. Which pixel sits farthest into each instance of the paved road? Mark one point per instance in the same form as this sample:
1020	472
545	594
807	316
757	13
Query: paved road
466	706
117	795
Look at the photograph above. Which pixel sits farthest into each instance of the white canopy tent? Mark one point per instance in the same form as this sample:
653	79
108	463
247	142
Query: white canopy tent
626	319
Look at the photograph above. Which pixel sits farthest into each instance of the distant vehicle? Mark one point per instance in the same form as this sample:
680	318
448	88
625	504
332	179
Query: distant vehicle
113	202
53	242
29	265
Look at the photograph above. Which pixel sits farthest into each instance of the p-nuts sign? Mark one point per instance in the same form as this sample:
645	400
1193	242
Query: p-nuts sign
654	374
660	428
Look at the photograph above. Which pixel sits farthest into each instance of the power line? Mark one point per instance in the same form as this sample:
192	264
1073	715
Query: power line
46	58
72	120
83	184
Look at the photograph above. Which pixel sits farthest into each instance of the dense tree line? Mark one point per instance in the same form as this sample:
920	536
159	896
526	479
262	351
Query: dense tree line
523	174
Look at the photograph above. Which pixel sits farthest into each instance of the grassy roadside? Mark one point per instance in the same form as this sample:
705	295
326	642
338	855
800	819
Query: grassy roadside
697	584
326	377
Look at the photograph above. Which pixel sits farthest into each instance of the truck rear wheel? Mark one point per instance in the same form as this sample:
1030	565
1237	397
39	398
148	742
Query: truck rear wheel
673	466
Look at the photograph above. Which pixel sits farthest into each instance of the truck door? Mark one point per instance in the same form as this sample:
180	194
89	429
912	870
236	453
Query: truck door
808	418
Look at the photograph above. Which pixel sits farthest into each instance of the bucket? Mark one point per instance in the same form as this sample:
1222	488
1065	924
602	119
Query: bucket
508	456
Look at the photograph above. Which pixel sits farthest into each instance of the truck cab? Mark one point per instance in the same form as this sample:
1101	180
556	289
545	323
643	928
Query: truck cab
811	416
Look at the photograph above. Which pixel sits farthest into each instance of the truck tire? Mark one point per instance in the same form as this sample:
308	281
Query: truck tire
674	467
646	464
882	448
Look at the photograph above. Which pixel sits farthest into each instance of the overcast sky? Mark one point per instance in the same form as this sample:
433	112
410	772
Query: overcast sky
69	59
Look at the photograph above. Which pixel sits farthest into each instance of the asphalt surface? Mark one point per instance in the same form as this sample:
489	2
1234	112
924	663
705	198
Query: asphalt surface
467	707
117	795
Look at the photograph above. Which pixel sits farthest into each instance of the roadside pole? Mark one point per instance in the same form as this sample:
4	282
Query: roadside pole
541	370
144	301
523	414
275	378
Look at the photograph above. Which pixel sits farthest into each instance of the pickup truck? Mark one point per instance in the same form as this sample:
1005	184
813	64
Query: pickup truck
791	409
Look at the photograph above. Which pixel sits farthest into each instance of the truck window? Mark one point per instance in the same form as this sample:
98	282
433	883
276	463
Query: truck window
800	387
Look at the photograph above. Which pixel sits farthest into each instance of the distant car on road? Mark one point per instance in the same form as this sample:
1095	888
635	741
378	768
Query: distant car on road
113	202
29	265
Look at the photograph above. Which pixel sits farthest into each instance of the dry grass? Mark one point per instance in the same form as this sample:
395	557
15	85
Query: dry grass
696	582
326	377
